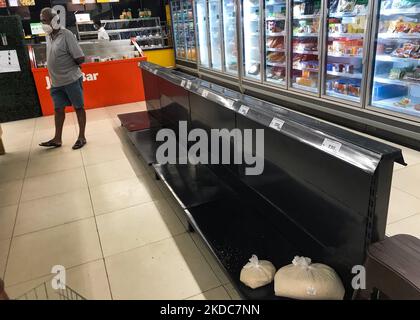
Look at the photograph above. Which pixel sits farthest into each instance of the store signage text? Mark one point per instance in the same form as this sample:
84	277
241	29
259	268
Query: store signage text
248	147
86	77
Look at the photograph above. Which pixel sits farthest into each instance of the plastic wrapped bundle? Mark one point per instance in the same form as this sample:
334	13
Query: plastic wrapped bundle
257	273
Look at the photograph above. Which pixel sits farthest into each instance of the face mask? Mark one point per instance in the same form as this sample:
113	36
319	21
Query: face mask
47	28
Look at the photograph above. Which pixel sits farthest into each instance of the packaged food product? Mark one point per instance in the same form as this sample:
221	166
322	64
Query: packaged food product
257	273
305	280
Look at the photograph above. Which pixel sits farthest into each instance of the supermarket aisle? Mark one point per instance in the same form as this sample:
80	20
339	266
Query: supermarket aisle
99	212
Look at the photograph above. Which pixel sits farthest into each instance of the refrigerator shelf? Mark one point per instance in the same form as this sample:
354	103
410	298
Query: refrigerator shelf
276	81
274	3
390	104
306	16
276	34
344	56
306	69
347	14
306	88
315	53
399	35
390	12
388	58
345	75
275	50
346	35
342	96
275	19
306	35
406	83
276	64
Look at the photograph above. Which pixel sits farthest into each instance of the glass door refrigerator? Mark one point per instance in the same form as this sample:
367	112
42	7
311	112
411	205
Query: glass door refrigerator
230	37
183	30
275	44
395	84
347	32
203	42
215	29
251	39
305	45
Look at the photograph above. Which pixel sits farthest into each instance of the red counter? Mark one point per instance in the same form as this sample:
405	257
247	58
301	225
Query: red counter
104	83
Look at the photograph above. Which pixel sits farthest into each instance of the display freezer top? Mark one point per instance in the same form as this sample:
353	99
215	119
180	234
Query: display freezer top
354	149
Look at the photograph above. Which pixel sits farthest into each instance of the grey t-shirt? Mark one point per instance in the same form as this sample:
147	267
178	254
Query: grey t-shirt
62	50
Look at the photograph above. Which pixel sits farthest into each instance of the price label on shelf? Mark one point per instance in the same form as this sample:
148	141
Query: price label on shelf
230	103
331	145
276	124
155	71
189	83
205	93
183	83
243	110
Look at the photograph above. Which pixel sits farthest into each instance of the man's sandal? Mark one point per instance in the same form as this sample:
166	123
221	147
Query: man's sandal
50	144
79	144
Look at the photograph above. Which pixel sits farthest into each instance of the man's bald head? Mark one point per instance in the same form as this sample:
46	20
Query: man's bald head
47	14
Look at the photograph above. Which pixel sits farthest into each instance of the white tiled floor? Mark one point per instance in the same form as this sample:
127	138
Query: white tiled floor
100	213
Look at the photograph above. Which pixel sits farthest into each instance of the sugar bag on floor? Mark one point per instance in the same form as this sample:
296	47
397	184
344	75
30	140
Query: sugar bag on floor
257	273
305	280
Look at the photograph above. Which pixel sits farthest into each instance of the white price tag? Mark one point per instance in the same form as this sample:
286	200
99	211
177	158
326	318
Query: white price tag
189	84
155	71
183	83
276	124
230	103
331	145
205	93
243	110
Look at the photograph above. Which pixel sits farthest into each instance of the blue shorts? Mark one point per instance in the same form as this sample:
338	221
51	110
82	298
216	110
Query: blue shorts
68	95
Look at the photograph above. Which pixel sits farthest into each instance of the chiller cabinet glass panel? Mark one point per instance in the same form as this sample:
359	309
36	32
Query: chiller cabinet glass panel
305	36
346	33
230	41
189	30
396	81
178	27
252	38
215	26
275	41
201	23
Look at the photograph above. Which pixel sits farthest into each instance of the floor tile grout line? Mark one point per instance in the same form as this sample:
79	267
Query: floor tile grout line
97	231
399	220
207	290
407	192
17	208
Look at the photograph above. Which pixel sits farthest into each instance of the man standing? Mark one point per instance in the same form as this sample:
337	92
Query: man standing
64	57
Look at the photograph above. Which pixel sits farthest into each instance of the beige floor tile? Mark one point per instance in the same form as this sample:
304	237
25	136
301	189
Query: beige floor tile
102	138
100	126
93	115
53	183
14	155
214	265
170	269
96	154
13	171
7	221
38	166
4	250
20	141
47	122
137	165
137	226
218	293
123	194
89	280
10	192
411	157
234	295
178	211
34	254
402	205
52	211
410	225
68	137
408	180
109	171
17	127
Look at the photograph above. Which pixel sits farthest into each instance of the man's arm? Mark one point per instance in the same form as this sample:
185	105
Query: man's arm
80	60
74	48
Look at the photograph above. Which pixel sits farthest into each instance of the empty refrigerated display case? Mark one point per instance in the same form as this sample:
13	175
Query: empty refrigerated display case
347	35
183	29
251	19
230	36
275	41
396	65
305	62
